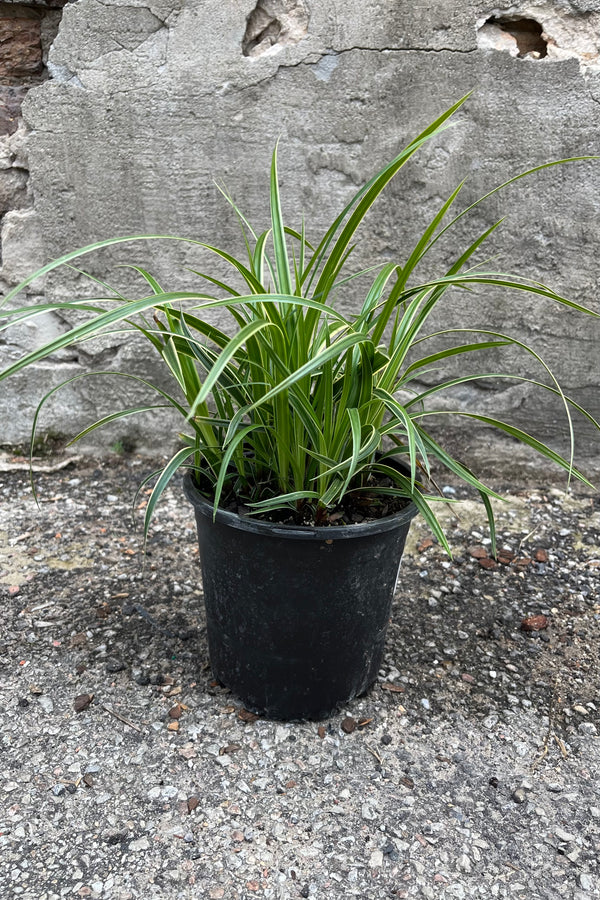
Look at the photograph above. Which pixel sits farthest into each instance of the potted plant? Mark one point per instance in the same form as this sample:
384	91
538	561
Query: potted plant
302	461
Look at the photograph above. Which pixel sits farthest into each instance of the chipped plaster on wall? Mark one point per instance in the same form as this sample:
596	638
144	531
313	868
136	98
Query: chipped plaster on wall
121	41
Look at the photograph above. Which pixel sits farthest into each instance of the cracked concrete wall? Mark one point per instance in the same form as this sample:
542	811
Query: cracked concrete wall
147	102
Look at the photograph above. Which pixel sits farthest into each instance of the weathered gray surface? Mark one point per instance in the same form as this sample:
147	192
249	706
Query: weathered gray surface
147	103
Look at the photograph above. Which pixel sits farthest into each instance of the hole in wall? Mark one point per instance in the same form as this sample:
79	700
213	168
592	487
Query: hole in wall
274	23
520	36
26	33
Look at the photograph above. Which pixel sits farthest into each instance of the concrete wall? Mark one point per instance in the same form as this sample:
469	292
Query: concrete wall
138	105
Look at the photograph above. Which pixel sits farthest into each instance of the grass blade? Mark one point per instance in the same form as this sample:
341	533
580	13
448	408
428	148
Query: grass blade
282	263
166	474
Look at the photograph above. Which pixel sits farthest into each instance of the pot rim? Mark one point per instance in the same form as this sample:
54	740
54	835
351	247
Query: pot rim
295	532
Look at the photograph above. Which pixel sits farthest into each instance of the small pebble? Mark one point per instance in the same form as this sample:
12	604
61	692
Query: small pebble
587	728
535	623
376	859
141	843
563	835
390	850
46	703
114	665
368	812
82	701
464	863
520	795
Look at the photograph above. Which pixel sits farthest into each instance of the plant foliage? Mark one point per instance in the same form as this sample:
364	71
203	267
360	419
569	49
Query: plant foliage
293	409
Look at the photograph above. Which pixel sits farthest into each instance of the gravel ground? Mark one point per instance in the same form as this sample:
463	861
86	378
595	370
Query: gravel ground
472	769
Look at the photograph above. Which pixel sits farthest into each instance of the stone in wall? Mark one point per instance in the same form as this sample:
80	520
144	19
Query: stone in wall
23	248
26	32
20	60
11	101
20	41
13	188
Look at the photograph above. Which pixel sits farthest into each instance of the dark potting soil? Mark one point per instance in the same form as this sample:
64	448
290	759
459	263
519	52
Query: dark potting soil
363	506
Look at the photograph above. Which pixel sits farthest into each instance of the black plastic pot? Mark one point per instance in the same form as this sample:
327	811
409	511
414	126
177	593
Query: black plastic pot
296	616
